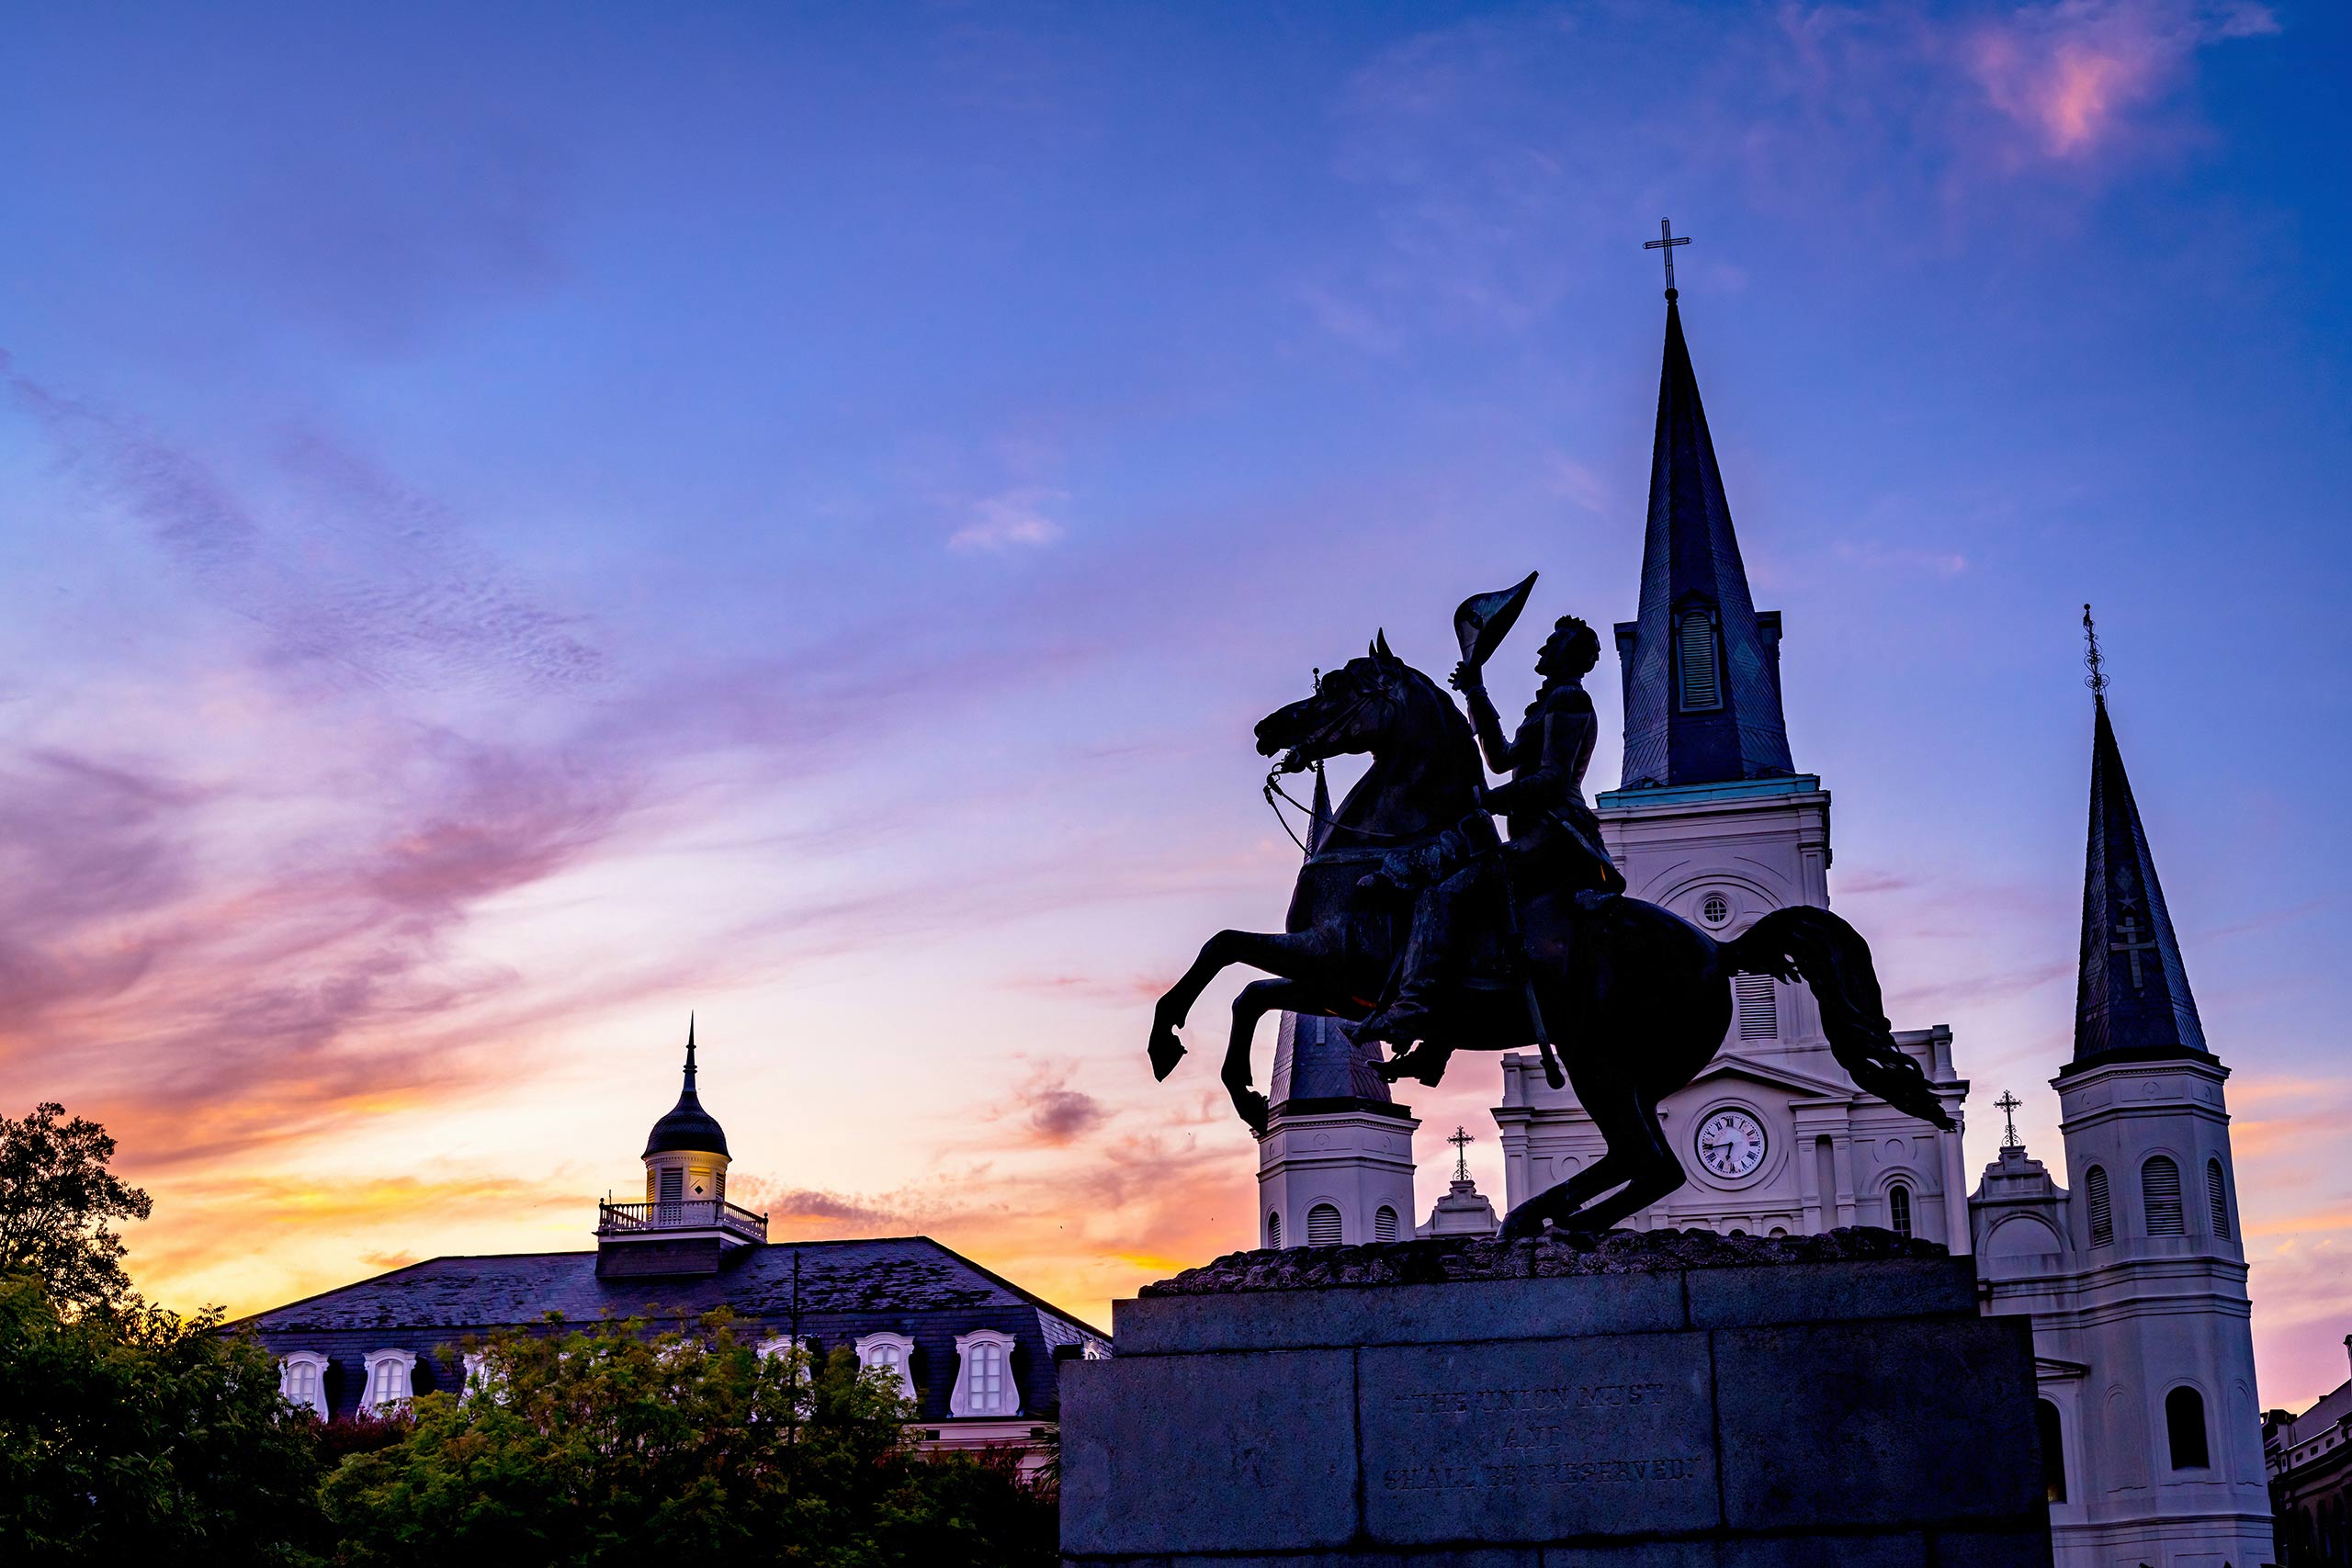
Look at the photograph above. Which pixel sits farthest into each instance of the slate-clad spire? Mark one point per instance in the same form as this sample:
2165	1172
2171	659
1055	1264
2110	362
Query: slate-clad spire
1702	666
2132	995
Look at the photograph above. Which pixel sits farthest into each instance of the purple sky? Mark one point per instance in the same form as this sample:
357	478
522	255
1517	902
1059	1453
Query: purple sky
523	520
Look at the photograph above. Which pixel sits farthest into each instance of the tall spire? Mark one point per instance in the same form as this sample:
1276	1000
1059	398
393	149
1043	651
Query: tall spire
687	1125
1702	666
2132	995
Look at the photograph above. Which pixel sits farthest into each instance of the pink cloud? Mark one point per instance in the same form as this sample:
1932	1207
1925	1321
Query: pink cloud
2072	73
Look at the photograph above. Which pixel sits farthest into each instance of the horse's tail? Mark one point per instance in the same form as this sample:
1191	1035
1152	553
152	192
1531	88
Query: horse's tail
1803	942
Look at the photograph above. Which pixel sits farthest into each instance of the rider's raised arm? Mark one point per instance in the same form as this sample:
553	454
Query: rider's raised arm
1488	722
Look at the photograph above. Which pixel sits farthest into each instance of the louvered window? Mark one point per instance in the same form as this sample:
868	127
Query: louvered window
1322	1225
1758	1019
2217	1193
1695	650
1384	1224
2102	1212
1273	1230
1898	1209
2160	1190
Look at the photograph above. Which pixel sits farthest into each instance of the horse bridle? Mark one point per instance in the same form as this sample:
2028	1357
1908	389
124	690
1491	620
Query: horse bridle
1324	731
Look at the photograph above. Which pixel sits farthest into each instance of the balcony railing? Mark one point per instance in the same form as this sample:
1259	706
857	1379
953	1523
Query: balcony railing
685	1214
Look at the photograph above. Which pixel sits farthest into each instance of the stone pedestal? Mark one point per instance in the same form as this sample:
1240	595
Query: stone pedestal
1662	1398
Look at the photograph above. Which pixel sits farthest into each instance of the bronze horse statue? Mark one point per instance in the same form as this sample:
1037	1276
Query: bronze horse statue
1640	997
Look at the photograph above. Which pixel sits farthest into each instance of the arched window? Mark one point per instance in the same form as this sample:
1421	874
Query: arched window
1273	1230
1701	684
892	1353
1323	1225
302	1379
2102	1212
2217	1194
1898	1209
389	1384
2160	1194
2185	1428
1384	1224
2054	1450
985	1385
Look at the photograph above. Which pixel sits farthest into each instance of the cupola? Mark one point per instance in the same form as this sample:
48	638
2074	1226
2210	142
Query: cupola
685	1225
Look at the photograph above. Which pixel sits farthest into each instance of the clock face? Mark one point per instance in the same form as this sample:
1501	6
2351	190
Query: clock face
1731	1143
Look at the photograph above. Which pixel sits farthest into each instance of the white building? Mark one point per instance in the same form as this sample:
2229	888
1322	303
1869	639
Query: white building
2136	1283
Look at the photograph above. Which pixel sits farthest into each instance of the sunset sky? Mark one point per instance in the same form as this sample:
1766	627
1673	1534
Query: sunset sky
518	522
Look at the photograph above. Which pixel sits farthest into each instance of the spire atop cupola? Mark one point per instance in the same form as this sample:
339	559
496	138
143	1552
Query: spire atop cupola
1702	665
2133	994
687	1125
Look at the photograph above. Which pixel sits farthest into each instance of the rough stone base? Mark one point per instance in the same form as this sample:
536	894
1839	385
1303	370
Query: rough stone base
1666	1398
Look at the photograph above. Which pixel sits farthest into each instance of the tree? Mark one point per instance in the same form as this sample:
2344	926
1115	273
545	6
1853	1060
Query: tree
56	1197
133	1434
608	1444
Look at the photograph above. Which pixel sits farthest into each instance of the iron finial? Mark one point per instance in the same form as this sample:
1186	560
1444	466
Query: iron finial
2096	679
2008	1104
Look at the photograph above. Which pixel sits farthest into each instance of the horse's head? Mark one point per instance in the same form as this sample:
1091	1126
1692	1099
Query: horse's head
1354	706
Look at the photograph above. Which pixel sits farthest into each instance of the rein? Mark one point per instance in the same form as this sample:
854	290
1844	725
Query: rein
1315	819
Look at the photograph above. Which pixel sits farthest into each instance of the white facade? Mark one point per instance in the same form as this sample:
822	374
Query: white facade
2141	1333
1814	1152
1335	1176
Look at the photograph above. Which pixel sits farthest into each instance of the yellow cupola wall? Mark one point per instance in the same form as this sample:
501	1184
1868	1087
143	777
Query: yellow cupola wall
685	1155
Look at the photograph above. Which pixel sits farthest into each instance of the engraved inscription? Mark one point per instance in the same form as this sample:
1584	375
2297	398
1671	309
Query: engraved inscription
1524	1430
1525	1440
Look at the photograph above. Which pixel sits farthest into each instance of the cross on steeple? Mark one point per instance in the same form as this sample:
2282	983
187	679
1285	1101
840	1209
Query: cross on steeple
2008	1104
1461	1141
2127	928
1668	239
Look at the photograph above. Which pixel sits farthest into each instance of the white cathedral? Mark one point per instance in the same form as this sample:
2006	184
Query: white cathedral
2135	1279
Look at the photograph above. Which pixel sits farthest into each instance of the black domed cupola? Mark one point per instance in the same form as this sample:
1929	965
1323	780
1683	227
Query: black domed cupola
687	1126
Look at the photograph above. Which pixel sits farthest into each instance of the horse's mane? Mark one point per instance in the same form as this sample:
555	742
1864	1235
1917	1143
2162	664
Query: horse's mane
1457	726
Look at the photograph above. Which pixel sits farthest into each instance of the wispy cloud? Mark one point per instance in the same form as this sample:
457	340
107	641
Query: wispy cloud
2076	74
1015	518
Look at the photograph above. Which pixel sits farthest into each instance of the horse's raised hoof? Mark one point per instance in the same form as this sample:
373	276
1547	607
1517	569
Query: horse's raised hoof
1252	1106
1166	1051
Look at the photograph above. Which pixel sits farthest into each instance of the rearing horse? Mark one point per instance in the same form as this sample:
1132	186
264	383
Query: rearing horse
1639	997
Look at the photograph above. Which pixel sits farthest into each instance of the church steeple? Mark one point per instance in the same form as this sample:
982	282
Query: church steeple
2132	995
1702	665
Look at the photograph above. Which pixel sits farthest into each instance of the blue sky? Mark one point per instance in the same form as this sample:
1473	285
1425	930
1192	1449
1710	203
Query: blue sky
521	521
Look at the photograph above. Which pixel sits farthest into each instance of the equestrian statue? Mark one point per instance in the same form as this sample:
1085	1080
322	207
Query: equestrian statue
1420	925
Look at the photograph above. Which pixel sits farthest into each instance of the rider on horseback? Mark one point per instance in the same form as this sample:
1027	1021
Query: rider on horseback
1554	842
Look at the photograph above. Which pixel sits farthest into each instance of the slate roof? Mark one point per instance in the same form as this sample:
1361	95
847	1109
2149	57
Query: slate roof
2123	1008
1691	557
893	1275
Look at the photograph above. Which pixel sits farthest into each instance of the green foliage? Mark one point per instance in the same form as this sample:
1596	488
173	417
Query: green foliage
133	1434
56	1196
608	1445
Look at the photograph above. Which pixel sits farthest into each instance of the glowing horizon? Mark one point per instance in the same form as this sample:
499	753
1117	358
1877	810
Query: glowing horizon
518	532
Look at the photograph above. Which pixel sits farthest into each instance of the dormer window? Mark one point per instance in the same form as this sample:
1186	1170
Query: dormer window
302	1379
892	1353
1698	675
391	1382
984	1384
